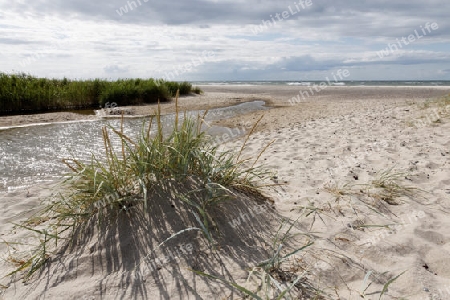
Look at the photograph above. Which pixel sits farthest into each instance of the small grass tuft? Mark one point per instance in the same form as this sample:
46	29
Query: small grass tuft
367	284
339	191
197	90
388	187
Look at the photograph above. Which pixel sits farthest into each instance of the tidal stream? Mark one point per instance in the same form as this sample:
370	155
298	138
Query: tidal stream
33	154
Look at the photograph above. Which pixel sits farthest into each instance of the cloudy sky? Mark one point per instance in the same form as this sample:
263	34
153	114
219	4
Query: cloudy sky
227	39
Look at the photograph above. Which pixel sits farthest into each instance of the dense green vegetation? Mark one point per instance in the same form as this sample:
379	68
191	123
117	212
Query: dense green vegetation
25	93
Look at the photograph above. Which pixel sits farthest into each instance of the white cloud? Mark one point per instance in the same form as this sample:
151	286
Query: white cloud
85	39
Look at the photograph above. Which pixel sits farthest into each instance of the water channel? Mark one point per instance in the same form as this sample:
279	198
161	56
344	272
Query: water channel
33	154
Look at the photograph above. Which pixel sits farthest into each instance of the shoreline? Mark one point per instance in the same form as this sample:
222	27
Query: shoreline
217	96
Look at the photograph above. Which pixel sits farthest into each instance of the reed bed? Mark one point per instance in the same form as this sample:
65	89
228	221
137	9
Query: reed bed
22	93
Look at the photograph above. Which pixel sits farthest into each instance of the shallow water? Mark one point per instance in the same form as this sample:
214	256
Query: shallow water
34	154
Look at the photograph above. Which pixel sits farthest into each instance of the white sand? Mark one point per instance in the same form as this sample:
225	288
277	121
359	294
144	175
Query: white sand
341	136
331	152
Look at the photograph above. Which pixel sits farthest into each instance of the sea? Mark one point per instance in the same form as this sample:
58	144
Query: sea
338	83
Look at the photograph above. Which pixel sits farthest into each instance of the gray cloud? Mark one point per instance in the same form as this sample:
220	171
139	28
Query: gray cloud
12	41
205	12
154	36
304	63
115	69
349	17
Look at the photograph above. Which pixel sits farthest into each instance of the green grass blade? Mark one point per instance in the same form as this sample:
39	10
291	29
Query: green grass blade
386	286
233	284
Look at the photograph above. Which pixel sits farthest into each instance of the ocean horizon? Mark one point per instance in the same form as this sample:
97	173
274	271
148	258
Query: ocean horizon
333	83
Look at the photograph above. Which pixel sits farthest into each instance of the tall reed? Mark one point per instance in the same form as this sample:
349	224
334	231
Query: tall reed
21	93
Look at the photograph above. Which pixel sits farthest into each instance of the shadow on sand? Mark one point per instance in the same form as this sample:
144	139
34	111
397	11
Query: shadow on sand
120	257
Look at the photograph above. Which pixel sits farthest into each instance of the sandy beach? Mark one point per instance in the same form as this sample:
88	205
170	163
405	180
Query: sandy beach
364	170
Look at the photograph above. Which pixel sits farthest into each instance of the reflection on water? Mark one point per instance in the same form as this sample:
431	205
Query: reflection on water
34	154
86	112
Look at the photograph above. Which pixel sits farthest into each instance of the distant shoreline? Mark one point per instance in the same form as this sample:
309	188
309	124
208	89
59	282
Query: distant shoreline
224	95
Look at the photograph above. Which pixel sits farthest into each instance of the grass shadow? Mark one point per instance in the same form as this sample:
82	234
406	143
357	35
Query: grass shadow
123	251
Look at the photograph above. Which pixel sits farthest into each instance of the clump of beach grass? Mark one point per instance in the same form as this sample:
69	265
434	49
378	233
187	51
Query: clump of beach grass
433	112
440	102
197	90
387	187
130	173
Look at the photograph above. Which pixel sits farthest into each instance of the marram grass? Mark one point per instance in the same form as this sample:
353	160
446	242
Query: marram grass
125	178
